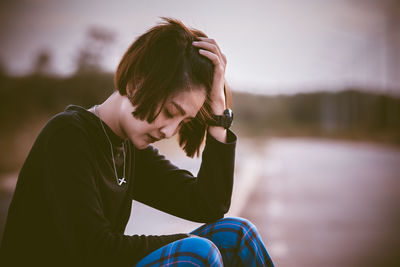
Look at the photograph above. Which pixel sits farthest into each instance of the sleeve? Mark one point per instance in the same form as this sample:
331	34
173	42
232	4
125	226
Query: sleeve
76	207
204	198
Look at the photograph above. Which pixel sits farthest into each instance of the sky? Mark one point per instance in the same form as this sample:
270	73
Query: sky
272	46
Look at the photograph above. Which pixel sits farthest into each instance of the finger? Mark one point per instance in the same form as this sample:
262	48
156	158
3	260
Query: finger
207	39
224	59
212	41
207	45
213	48
210	47
213	57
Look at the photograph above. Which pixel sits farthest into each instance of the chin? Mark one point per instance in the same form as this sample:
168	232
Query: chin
141	145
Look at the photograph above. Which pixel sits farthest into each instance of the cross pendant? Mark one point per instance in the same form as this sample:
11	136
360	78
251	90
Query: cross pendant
121	181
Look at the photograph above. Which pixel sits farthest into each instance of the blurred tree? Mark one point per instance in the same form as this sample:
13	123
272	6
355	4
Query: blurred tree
392	15
91	54
42	63
2	69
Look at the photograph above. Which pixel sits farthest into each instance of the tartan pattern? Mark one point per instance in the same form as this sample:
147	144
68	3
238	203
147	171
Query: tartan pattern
231	241
191	251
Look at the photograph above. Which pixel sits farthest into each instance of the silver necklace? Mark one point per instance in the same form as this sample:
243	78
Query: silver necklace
122	180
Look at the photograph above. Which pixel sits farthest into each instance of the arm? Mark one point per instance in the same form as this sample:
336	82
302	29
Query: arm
204	198
76	207
162	185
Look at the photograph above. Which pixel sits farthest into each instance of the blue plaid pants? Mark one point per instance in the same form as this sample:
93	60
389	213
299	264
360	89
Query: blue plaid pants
229	241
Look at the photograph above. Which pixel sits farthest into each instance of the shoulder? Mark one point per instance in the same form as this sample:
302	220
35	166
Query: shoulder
67	125
71	116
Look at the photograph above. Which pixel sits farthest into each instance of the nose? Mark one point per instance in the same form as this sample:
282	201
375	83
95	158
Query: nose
169	130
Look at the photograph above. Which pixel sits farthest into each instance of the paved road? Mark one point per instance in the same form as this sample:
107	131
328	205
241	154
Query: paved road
315	202
326	203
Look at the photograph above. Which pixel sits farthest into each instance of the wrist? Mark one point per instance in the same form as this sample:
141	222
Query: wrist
225	120
218	107
219	133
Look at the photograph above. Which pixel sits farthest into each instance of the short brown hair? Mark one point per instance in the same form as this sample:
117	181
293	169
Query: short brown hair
161	63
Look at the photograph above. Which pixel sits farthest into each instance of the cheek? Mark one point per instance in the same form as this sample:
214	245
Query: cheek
135	127
128	124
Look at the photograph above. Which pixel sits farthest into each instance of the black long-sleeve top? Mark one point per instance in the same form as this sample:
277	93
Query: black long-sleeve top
68	210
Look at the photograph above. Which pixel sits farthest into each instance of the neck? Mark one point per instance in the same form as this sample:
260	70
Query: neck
108	113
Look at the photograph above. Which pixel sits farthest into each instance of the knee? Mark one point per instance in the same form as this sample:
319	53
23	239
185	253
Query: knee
202	249
240	220
247	224
241	225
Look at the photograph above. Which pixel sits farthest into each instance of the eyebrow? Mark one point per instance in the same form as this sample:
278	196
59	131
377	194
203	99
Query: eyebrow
178	107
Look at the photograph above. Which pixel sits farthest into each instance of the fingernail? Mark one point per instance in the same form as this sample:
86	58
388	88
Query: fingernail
195	43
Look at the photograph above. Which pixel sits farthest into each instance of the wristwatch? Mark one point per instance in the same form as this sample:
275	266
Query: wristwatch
224	120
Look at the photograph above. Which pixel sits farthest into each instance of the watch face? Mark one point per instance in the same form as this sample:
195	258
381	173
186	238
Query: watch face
228	113
228	118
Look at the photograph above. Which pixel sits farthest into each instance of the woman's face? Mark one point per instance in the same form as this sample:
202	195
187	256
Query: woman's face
179	108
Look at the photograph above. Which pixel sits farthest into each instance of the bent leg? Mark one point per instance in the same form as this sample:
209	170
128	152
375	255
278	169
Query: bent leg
191	251
238	241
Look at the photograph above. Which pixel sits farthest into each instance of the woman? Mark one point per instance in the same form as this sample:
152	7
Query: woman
74	192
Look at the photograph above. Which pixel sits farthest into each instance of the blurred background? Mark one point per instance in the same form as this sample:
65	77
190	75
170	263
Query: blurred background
316	94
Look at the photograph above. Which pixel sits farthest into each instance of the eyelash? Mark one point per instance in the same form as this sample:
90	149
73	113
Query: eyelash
168	114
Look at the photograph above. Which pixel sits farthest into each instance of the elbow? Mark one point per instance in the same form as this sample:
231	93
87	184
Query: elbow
218	212
224	208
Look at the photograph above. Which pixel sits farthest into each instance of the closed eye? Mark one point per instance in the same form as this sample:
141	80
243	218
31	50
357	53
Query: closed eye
167	113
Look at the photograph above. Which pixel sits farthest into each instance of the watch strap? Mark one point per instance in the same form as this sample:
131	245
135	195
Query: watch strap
224	120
